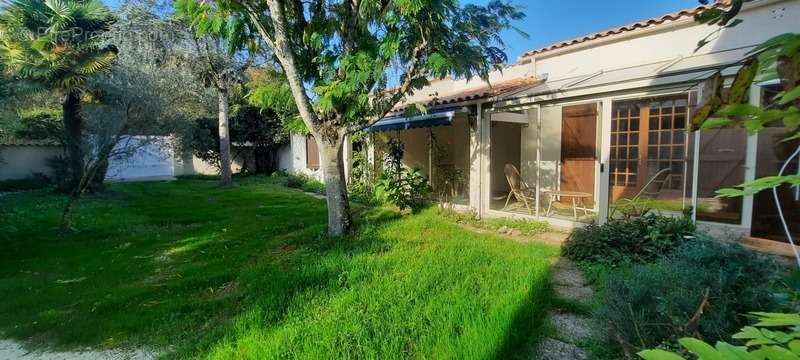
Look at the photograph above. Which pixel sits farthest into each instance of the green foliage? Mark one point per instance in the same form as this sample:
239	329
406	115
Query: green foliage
702	288
775	337
40	124
314	186
296	181
640	239
249	266
268	90
363	176
348	66
759	185
202	139
777	58
263	131
405	188
54	45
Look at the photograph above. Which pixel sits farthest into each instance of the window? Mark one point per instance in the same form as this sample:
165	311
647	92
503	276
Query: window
649	152
312	153
625	144
666	146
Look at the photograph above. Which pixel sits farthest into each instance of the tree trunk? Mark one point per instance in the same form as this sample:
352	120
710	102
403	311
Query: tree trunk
340	220
224	140
66	214
73	126
262	157
98	180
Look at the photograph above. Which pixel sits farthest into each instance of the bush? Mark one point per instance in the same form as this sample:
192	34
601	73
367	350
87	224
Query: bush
407	190
33	182
636	240
771	338
314	186
296	180
61	172
701	290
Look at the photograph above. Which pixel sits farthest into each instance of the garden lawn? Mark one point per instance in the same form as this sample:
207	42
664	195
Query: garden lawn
196	271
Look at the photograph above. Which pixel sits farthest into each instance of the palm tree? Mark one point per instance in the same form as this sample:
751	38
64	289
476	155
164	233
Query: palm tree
57	45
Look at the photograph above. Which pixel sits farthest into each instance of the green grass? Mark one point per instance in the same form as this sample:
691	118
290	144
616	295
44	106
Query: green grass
526	227
246	272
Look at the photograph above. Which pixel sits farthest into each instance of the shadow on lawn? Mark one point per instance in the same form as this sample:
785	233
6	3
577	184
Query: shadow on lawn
524	331
161	263
182	265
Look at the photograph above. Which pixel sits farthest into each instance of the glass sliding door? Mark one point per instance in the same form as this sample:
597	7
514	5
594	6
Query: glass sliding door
573	132
509	191
450	161
649	167
722	164
771	155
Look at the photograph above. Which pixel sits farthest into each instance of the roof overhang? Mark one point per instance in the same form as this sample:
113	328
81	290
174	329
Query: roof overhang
621	81
440	118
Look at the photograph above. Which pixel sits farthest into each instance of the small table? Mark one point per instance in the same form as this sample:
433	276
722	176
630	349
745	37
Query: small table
578	201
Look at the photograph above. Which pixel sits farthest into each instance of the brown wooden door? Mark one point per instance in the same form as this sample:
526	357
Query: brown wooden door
578	148
312	153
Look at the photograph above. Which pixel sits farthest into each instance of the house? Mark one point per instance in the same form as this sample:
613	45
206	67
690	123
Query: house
591	121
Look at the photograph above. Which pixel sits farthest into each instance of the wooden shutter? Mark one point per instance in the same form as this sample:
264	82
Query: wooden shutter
312	153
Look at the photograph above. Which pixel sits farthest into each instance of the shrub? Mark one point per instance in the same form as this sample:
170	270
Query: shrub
314	186
61	172
296	180
702	289
774	336
639	239
33	182
408	190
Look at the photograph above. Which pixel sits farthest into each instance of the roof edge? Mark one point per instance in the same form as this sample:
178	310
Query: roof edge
650	23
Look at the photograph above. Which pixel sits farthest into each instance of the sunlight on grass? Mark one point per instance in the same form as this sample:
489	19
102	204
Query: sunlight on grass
250	275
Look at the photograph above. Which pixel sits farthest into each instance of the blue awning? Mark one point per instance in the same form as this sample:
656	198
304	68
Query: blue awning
420	121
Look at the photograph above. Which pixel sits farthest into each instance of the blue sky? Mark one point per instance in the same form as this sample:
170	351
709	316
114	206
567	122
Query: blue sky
550	21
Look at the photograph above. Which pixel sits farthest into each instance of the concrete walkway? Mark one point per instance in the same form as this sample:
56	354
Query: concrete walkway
569	330
10	349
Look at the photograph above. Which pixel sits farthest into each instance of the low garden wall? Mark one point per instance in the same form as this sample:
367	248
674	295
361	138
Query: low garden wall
20	161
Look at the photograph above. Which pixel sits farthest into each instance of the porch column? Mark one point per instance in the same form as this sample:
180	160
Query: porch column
750	163
605	157
484	152
475	161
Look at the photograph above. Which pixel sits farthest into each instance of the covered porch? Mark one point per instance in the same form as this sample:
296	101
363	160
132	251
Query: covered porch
437	145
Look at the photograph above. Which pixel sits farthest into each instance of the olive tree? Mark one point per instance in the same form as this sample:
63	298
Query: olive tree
149	93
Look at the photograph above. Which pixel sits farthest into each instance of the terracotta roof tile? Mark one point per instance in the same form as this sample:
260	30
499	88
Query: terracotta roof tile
486	91
630	27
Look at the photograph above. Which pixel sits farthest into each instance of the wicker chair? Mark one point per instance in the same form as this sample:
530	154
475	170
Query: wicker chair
520	191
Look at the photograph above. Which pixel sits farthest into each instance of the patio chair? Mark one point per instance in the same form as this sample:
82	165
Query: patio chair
519	189
650	190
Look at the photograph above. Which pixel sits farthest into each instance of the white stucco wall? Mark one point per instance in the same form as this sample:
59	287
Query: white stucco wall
20	161
292	157
146	157
762	20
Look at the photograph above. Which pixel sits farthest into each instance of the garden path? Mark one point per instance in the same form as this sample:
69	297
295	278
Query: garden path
569	329
10	349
